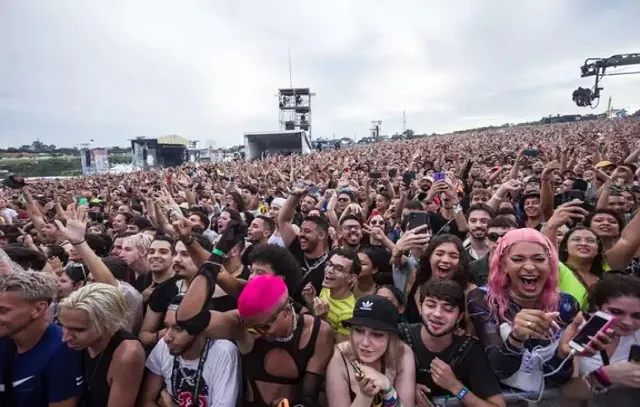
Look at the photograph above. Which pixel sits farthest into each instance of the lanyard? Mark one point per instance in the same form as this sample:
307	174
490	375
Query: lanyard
198	376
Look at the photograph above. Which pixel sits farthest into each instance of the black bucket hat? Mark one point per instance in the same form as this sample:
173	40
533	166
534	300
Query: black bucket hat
375	312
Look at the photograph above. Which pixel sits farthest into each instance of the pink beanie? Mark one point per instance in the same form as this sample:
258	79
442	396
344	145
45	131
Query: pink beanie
261	294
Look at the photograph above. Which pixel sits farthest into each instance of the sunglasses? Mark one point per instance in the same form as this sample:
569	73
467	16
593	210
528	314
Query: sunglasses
494	237
261	329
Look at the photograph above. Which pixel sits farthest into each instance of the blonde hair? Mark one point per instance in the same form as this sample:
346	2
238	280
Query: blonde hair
140	241
30	285
105	306
391	356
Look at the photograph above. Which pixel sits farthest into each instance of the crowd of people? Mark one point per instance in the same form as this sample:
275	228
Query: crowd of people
454	267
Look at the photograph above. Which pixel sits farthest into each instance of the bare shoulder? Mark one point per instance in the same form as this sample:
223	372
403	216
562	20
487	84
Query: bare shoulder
129	352
325	334
406	349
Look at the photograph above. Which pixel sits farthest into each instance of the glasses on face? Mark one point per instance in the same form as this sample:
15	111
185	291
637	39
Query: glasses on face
336	267
351	227
261	329
494	237
342	200
377	223
588	240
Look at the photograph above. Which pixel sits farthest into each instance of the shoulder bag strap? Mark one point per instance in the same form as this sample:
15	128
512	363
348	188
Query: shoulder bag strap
460	354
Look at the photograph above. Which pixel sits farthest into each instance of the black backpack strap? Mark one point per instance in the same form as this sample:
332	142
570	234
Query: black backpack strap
7	377
460	354
410	340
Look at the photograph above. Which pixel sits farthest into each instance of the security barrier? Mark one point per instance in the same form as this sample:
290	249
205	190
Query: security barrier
550	398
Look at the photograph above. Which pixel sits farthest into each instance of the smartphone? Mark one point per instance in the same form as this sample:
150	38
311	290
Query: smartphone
574	194
314	190
634	353
599	322
415	219
531	153
356	369
439	176
82	201
407	177
299	185
375	174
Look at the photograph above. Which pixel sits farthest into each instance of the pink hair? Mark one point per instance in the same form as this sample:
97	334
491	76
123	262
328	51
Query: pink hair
260	295
499	281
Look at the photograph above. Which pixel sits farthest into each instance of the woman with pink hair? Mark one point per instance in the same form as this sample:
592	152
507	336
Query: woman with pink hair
519	315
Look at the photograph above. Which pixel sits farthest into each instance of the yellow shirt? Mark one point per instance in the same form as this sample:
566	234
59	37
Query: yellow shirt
339	310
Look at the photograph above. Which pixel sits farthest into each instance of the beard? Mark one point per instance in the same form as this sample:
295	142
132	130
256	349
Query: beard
441	334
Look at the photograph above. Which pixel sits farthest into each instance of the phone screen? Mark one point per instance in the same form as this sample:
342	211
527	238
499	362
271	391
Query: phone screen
82	201
591	329
314	190
531	153
439	176
375	175
634	354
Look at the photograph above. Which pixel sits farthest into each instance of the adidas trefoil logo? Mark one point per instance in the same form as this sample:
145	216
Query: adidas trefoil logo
366	306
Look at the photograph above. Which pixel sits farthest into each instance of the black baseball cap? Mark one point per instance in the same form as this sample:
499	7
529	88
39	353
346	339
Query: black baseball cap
375	312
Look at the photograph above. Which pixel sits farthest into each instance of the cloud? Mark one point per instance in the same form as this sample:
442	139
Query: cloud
111	71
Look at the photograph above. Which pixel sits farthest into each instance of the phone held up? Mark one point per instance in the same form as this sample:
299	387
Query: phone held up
439	176
417	219
599	322
530	152
407	177
375	174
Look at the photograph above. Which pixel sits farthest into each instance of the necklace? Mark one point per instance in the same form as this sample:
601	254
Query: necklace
293	331
309	268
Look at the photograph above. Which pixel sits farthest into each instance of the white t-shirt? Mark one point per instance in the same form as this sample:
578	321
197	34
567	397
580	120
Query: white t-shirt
221	374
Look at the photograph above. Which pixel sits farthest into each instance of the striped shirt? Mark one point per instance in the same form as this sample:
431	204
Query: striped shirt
339	310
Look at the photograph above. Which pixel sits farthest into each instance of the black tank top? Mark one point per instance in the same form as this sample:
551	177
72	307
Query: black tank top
96	386
253	362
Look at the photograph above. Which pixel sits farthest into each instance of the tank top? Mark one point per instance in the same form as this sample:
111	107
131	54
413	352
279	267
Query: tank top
253	362
97	388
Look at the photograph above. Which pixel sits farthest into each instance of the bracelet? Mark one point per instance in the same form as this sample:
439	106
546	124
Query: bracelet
78	243
601	376
190	241
462	393
515	338
218	252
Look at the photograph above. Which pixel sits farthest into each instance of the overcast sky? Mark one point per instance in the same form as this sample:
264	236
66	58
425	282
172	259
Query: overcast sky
71	71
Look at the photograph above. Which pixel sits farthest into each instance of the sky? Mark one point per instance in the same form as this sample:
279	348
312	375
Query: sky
109	71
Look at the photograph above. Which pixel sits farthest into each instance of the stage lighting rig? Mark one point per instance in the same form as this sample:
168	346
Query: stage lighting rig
597	67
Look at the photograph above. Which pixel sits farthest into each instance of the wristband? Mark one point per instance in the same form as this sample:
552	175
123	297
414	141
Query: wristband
601	376
218	252
515	338
78	243
462	393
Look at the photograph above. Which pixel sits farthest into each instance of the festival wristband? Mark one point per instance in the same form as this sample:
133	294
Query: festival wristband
462	393
602	377
218	252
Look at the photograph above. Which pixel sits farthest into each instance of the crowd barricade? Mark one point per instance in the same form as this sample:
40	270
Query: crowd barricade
550	398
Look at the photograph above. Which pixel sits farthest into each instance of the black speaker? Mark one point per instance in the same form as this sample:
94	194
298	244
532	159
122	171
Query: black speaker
87	157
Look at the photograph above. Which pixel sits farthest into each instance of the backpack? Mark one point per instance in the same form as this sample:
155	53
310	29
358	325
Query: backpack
459	354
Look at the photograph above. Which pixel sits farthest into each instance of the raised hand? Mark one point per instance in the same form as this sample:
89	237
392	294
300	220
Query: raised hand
76	226
308	294
183	228
567	212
